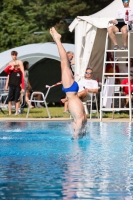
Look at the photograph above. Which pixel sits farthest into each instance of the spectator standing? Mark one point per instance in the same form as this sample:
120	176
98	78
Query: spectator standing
15	81
28	87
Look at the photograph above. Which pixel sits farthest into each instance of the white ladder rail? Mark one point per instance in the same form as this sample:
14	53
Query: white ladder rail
114	75
105	55
130	106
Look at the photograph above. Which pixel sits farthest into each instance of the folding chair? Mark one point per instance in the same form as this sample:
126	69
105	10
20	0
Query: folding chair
3	100
3	94
89	103
32	99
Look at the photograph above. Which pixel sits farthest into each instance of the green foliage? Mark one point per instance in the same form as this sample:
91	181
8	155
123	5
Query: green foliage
15	24
19	19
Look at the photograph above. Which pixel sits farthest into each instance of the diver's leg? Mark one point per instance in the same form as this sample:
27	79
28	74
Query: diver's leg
67	77
10	107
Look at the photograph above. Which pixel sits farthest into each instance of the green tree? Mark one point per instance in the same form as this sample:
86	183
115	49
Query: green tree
19	19
15	24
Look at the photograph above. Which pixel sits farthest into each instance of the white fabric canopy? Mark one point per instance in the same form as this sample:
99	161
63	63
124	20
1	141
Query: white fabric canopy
33	53
90	35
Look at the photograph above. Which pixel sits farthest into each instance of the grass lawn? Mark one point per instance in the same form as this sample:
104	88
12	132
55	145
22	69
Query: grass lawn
56	112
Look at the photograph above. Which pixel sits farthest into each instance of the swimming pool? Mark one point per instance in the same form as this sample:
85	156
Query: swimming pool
38	160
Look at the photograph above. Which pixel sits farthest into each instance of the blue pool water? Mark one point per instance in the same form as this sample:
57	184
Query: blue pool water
38	160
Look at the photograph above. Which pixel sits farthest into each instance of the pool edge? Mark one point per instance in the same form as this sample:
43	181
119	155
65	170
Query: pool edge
63	119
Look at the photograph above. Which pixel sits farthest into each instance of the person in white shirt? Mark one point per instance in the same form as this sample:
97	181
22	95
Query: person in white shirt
87	86
121	27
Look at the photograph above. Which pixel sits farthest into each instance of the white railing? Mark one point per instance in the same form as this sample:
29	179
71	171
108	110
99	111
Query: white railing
2	82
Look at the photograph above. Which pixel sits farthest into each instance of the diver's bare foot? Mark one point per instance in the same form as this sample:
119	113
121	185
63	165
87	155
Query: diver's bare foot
56	36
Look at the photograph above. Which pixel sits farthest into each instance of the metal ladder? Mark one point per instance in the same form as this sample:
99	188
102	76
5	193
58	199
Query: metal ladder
115	76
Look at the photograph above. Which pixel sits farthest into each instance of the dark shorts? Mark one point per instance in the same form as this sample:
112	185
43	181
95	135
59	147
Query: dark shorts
14	93
120	25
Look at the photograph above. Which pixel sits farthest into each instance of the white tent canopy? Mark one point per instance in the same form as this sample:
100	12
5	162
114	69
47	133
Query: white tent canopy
90	35
33	53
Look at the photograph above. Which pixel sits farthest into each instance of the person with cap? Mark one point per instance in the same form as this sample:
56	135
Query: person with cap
125	89
126	14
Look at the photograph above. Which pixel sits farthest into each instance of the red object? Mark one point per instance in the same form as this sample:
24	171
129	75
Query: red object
125	88
126	15
7	70
110	66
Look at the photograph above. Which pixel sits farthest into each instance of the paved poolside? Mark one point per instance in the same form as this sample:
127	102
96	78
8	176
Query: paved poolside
62	119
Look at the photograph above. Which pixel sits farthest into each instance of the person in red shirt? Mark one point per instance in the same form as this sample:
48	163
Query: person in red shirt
15	81
126	88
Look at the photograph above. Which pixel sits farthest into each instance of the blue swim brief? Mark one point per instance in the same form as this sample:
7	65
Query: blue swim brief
74	88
